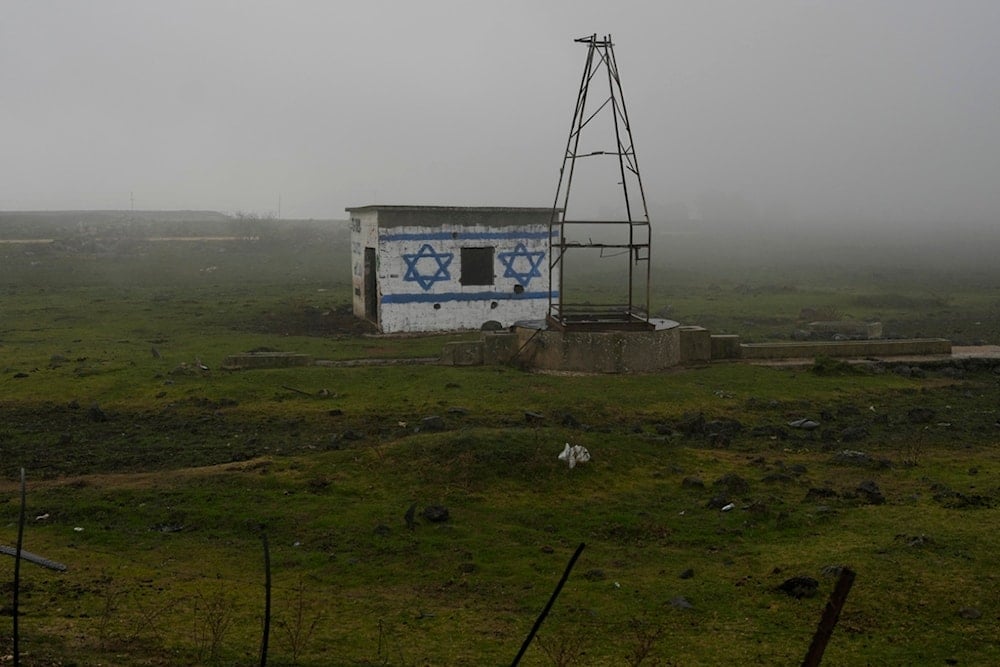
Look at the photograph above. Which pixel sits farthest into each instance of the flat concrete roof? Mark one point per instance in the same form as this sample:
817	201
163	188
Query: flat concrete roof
451	209
455	216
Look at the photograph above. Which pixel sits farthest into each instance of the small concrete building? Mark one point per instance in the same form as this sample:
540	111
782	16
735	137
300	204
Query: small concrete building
440	268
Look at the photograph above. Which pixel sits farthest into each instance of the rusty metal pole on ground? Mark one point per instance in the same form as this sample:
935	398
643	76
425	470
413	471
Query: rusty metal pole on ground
267	601
17	576
548	606
831	614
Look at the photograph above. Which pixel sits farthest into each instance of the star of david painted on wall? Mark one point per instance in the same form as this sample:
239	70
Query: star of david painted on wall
521	264
426	266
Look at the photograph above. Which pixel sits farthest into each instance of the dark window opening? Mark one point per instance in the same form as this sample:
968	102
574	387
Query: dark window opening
477	266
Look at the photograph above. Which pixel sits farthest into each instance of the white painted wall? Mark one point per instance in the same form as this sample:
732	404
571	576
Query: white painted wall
364	233
420	270
420	277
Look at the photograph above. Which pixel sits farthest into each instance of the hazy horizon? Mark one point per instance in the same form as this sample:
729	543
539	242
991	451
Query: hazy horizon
878	113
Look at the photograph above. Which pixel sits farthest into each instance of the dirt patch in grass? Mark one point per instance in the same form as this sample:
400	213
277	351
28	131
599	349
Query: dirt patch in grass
309	320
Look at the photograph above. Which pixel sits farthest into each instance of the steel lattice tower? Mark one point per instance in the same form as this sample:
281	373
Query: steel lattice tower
631	234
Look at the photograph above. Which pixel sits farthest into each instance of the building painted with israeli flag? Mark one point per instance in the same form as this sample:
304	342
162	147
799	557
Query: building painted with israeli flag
443	268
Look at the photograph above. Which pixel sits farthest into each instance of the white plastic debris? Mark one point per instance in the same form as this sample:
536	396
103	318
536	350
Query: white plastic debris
728	507
573	454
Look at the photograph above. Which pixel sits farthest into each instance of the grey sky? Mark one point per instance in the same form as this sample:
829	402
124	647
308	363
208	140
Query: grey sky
872	111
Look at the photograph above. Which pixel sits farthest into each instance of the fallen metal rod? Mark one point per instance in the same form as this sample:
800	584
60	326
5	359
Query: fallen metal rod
831	614
267	601
548	606
33	558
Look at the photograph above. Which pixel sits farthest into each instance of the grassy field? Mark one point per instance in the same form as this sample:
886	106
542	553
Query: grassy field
155	481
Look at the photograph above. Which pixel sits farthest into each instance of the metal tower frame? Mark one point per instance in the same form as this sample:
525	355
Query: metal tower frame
586	315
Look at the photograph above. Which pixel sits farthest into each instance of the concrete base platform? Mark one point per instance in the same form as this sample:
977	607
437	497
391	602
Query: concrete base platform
252	360
615	351
852	348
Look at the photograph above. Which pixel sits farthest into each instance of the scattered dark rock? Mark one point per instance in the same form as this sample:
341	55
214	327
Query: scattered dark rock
727	427
732	484
859	458
717	502
533	417
467	568
452	385
777	478
318	484
804	424
436	513
687	574
19	375
815	493
848	411
382	530
692	483
773	432
719	439
663	429
351	434
96	413
872	494
455	410
799	587
73	405
920	415
335	412
797	469
595	574
409	517
432	423
569	420
853	434
546	549
832	570
958	500
692	424
167	528
970	613
680	602
915	540
908	371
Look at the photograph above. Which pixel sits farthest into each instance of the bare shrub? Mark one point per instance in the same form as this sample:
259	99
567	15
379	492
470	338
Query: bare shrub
213	618
298	627
646	636
564	650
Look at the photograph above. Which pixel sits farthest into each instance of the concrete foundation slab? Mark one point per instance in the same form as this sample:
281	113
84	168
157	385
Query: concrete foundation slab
599	351
252	360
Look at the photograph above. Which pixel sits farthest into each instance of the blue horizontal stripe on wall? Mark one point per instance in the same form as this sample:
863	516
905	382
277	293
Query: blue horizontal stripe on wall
464	296
466	236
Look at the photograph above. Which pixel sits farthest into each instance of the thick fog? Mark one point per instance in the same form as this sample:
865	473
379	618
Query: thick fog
746	113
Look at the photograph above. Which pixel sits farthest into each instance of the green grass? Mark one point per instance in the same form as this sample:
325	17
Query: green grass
175	479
